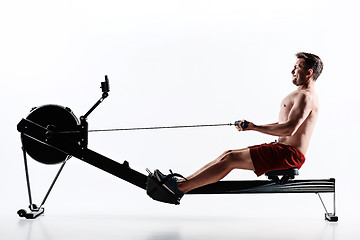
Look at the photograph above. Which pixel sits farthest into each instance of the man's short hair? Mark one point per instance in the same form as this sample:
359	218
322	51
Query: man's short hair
311	61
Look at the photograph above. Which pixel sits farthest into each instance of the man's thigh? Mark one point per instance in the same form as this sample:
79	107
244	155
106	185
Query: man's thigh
241	159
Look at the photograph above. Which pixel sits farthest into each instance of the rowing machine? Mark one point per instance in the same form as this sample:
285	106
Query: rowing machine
51	134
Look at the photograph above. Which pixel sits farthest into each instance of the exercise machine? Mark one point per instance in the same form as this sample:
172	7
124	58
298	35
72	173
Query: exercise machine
52	134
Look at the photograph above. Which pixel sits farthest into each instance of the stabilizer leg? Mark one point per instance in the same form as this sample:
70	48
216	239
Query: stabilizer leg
34	210
331	217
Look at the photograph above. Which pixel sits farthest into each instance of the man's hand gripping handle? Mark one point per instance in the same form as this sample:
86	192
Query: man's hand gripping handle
242	124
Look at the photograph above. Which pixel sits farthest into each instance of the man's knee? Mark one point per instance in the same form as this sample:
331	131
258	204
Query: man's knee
238	159
232	157
227	152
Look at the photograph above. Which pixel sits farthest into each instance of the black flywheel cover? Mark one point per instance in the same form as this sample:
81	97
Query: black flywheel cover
58	118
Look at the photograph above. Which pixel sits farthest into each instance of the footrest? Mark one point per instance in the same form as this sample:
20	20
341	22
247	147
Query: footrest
286	174
157	192
32	214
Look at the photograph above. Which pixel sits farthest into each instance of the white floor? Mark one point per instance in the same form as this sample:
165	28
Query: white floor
173	228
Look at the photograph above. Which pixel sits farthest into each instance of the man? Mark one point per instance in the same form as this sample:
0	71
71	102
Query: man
297	118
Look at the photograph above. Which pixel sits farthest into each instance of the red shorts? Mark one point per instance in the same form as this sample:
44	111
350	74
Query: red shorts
275	156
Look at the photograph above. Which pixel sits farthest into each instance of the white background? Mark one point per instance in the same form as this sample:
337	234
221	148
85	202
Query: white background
176	63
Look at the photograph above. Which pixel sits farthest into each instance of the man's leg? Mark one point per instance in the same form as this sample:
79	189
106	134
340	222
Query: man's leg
208	165
218	169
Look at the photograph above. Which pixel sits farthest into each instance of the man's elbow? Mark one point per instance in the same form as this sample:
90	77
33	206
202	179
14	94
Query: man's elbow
289	133
290	130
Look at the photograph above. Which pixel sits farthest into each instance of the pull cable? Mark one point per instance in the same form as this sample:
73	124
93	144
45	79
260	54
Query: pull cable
166	127
243	125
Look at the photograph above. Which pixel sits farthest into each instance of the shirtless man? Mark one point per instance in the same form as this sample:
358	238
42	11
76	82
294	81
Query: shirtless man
297	118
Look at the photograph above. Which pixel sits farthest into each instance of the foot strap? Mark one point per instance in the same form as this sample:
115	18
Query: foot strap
170	176
156	191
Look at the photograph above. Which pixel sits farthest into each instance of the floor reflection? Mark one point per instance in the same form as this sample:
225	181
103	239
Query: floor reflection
171	228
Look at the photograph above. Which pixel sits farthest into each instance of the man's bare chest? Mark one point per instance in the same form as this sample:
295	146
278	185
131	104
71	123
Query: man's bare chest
285	108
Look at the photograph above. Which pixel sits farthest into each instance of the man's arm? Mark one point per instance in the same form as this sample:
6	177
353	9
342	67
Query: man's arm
300	111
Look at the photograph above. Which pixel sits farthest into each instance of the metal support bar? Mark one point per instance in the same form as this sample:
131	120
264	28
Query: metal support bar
105	86
322	203
52	184
95	105
27	177
334	201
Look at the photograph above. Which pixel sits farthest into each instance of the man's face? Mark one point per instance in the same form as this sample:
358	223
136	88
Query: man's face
299	73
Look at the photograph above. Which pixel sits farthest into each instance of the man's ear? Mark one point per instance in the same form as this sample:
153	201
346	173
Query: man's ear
310	73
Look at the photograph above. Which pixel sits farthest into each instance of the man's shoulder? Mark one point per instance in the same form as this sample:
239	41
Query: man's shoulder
301	97
306	98
304	95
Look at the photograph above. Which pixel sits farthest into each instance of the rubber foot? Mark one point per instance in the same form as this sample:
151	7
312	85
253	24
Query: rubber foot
331	217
